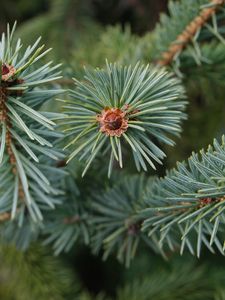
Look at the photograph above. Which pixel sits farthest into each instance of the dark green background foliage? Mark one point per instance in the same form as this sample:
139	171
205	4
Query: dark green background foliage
86	33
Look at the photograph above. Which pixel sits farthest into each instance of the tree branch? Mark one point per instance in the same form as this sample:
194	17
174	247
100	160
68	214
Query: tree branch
191	29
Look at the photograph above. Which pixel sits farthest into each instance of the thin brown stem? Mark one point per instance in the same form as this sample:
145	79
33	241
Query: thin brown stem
4	118
5	217
64	81
71	220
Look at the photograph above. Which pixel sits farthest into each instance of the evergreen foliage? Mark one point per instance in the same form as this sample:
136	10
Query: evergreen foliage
27	134
115	112
116	221
180	16
189	25
124	102
186	206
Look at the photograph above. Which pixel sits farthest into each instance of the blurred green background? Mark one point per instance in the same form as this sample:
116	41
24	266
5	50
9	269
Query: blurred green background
141	14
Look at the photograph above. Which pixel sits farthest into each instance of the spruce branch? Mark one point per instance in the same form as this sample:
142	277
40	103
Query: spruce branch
117	224
183	210
22	231
186	208
27	134
124	106
190	17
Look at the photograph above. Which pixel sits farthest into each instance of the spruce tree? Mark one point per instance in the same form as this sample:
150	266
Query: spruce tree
82	156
